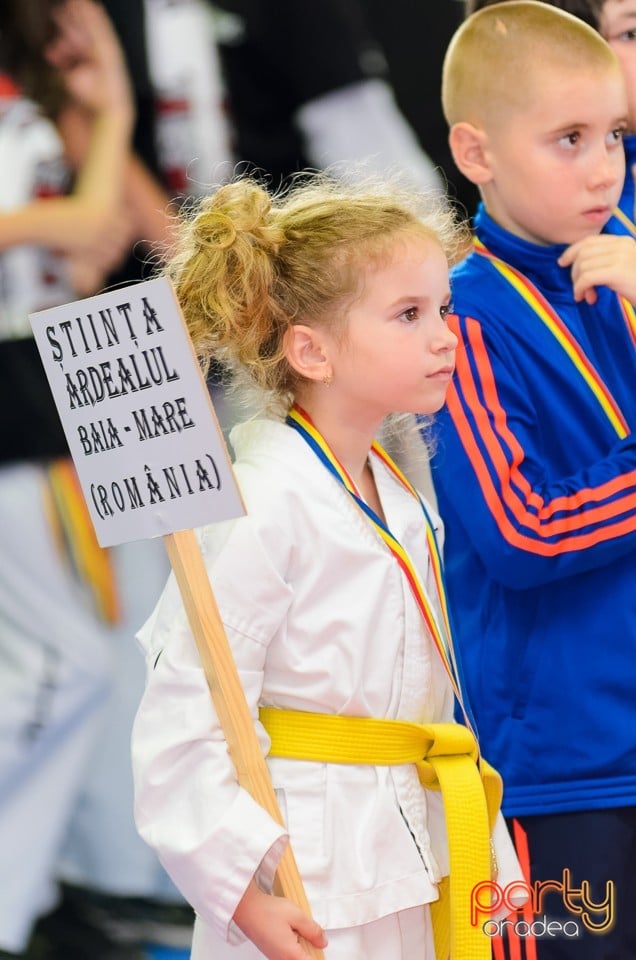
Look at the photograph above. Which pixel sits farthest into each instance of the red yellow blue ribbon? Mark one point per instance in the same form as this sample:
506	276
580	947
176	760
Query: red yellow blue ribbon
624	219
628	310
564	337
440	630
630	318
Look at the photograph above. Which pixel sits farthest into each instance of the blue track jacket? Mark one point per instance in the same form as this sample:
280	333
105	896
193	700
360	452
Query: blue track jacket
538	494
626	202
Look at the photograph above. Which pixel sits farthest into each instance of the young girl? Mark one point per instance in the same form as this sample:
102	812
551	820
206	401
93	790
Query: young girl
331	300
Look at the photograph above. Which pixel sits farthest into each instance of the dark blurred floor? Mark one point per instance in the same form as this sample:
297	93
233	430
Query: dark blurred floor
91	926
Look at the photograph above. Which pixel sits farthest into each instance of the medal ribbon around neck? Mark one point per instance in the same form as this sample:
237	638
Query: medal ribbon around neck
441	632
628	310
624	219
564	337
630	318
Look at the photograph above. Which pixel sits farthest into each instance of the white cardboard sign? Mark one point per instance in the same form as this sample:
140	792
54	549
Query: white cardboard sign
136	412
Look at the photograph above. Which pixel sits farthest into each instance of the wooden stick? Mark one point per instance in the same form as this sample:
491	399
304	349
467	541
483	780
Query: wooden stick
229	699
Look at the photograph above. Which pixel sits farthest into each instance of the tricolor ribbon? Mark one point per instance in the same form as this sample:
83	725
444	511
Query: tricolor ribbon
564	337
624	219
439	629
629	315
628	310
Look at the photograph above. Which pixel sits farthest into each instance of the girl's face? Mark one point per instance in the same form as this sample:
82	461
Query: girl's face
397	354
618	26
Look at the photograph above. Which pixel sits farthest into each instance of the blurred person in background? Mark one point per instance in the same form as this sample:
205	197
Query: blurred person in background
414	38
68	218
311	89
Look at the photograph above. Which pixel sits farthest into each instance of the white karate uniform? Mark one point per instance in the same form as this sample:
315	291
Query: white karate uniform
320	618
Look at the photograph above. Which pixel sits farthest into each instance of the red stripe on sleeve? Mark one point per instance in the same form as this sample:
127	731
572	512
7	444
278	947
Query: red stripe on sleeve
505	472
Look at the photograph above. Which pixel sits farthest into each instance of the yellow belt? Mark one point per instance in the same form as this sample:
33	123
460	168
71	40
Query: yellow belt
447	758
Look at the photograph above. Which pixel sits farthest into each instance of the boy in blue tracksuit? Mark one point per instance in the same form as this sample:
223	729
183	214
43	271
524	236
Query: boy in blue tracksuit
616	20
535	464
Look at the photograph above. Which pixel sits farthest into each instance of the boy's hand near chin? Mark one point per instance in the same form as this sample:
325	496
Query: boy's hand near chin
602	260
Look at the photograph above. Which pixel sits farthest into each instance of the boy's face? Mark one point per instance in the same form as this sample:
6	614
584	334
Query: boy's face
556	167
618	26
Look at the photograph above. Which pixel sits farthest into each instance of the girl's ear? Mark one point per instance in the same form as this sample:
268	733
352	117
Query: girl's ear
306	353
469	148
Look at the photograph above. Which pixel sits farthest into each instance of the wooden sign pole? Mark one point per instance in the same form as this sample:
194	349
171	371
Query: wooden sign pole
229	699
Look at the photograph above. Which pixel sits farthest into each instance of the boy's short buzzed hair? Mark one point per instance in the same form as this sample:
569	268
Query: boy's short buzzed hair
495	52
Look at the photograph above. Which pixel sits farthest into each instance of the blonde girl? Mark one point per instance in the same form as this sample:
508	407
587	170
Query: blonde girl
331	301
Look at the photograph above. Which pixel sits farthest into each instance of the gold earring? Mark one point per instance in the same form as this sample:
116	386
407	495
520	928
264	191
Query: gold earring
328	377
